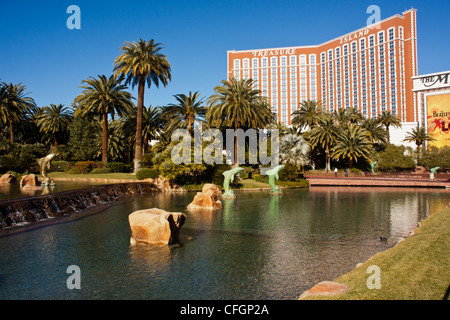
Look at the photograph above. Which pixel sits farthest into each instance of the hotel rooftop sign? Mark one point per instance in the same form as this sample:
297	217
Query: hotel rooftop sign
432	81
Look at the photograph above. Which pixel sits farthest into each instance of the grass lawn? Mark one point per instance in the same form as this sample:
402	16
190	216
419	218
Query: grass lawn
418	268
93	176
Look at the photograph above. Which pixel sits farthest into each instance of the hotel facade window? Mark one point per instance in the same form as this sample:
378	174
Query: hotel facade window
369	69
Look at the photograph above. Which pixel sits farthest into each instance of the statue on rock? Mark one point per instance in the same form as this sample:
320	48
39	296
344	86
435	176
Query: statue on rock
273	174
229	177
372	166
44	165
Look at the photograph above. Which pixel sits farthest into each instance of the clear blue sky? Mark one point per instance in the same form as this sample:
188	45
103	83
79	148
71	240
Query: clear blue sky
38	49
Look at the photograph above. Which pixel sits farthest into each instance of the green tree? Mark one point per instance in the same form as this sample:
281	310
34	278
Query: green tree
14	105
142	63
84	134
54	120
184	113
324	133
153	123
375	131
352	143
388	119
102	97
307	115
419	136
237	105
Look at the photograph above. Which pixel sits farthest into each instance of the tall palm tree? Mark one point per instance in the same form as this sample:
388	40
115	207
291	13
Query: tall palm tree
324	134
54	120
237	105
14	105
142	63
352	143
419	136
388	119
102	97
307	115
183	114
375	130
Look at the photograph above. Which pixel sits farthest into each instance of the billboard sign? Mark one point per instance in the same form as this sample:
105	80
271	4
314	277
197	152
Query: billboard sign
438	118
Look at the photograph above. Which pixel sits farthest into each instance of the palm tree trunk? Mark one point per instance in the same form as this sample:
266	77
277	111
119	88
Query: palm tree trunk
104	138
55	142
387	135
11	133
139	116
328	158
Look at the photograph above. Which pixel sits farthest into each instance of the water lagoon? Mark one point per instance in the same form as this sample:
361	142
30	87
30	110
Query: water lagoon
257	247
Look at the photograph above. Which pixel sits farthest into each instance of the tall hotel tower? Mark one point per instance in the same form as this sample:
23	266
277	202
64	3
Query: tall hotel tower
370	69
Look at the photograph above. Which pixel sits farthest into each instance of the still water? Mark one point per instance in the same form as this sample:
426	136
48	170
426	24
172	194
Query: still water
258	247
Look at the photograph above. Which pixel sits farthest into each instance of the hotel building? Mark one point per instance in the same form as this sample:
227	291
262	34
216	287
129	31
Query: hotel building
370	69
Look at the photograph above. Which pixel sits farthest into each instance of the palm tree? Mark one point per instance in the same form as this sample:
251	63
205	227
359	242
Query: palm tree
14	105
352	143
103	96
388	119
141	63
307	115
294	149
324	134
237	105
54	120
183	114
153	124
419	136
375	131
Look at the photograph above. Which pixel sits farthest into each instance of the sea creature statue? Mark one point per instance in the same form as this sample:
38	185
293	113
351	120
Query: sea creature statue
433	171
273	174
44	165
372	166
229	177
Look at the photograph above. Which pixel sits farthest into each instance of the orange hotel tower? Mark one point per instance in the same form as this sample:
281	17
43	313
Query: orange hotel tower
370	69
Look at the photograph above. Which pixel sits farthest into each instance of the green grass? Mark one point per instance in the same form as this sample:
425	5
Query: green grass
415	269
93	176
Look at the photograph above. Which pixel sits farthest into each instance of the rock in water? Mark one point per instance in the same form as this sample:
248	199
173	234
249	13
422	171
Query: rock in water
29	181
7	178
209	198
155	226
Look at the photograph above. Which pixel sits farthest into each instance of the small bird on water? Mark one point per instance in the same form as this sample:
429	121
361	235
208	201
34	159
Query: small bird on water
383	239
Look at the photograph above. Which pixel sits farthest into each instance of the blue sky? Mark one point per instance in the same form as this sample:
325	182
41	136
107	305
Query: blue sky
39	50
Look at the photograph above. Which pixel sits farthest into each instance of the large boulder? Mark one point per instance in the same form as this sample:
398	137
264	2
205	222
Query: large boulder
29	181
7	178
209	198
155	226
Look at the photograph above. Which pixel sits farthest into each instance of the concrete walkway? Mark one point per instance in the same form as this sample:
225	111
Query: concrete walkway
378	182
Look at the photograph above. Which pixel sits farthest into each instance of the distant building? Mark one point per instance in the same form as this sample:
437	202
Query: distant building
370	69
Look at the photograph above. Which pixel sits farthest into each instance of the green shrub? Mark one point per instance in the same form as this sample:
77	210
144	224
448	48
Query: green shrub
116	166
393	158
59	166
260	178
146	173
100	170
288	173
85	166
74	171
